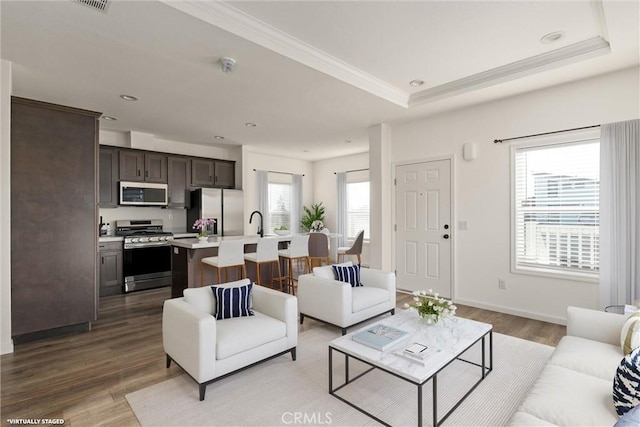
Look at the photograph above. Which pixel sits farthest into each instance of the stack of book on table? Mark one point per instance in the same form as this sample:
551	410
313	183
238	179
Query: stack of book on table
381	337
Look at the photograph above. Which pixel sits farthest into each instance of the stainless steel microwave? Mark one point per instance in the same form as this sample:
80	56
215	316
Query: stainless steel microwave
143	194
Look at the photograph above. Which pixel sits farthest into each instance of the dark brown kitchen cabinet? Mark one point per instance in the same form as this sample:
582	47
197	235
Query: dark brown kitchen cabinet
143	166
202	172
54	219
179	180
110	264
212	173
108	178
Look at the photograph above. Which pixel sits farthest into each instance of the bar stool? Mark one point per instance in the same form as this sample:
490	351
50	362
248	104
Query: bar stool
230	255
298	250
266	253
355	249
319	248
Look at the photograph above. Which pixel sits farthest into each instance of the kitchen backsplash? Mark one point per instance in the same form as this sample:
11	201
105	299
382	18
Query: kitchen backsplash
174	220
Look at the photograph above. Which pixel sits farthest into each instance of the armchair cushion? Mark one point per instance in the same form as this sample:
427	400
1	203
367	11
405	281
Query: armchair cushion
232	302
630	334
203	298
244	333
363	297
349	274
626	394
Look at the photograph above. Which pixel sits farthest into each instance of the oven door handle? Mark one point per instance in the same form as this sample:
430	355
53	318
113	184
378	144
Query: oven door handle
145	245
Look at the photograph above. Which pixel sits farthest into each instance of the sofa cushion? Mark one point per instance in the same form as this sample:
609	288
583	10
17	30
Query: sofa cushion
522	419
363	297
589	357
350	274
232	301
626	384
240	334
326	272
565	397
630	334
203	298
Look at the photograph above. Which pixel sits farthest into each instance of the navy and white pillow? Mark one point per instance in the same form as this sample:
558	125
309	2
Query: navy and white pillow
348	274
626	384
233	302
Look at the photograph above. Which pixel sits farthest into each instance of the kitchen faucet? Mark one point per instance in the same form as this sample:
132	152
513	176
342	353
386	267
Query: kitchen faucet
260	229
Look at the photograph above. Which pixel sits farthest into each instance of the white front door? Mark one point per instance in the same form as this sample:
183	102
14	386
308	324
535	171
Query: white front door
423	238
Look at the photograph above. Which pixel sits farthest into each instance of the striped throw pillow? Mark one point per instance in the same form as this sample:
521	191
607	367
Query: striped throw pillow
348	274
626	394
233	302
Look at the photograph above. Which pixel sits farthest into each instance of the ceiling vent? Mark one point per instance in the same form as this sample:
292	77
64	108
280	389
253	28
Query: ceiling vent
101	5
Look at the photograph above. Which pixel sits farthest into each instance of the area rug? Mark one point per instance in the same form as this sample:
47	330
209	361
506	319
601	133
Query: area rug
281	392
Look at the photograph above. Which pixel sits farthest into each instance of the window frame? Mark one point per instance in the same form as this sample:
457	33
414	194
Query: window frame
568	137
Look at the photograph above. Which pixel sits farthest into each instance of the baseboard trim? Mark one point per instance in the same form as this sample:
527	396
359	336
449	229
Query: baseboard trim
513	312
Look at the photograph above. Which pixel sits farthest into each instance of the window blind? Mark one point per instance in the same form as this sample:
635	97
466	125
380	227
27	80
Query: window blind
279	206
357	209
557	191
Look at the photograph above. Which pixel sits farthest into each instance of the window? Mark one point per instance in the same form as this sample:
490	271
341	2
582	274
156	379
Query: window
279	206
556	189
357	209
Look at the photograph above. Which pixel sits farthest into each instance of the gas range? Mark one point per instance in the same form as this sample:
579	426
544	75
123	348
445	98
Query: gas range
142	233
147	254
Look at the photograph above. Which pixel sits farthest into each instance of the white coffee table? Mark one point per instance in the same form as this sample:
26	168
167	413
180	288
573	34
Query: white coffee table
446	344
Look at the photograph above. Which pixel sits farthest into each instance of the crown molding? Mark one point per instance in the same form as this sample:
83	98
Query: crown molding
589	48
241	24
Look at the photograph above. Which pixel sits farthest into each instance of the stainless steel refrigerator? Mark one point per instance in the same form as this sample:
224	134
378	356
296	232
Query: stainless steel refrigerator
224	206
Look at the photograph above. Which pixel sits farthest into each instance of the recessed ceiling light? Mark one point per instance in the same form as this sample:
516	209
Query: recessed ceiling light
109	118
416	83
219	137
250	125
305	151
552	37
129	97
348	141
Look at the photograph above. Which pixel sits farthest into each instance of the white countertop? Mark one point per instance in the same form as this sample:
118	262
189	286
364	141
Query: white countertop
105	239
214	242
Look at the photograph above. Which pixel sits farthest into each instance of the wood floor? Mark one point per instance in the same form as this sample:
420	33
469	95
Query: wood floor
83	378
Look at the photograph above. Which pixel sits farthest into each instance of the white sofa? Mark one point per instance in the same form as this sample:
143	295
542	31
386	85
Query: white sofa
209	349
320	297
575	387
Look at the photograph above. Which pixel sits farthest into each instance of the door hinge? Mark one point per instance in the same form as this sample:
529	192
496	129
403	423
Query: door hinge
395	181
395	227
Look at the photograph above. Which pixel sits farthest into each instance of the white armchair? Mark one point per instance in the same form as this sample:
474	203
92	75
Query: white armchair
209	349
322	298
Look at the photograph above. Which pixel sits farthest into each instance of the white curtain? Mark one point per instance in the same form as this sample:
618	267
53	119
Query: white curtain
619	213
341	205
296	202
262	195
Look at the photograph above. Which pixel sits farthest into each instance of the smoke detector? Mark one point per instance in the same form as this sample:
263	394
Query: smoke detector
228	65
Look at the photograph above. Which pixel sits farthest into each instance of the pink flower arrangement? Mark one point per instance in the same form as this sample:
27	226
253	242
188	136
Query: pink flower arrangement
203	224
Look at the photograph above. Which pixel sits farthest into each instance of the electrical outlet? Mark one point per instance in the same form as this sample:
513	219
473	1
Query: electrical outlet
502	284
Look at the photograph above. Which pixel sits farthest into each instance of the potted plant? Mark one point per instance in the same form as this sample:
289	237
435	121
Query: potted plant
315	213
203	225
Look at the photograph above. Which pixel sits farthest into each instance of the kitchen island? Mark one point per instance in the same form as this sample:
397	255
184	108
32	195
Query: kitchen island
187	254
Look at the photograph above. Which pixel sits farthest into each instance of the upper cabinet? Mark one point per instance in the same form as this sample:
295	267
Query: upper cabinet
179	180
224	174
143	166
202	172
213	173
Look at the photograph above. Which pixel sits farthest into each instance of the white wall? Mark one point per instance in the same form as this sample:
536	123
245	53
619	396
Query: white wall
6	345
482	186
252	160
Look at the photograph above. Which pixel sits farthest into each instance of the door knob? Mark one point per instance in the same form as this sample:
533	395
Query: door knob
446	236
